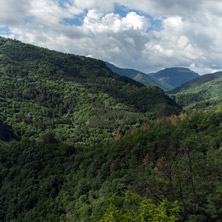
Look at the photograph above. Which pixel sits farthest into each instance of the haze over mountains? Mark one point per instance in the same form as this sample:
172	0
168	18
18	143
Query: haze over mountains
167	79
175	76
140	77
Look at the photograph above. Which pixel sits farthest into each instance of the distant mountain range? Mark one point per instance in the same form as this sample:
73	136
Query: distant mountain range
186	87
175	76
141	77
167	79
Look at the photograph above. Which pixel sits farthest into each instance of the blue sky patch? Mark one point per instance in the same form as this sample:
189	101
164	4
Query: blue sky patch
121	10
28	19
61	3
4	30
156	24
72	21
78	20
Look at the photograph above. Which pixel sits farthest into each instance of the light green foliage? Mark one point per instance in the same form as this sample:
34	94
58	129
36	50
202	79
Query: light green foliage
133	208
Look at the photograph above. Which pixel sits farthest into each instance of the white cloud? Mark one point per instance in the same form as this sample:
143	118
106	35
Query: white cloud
136	22
12	12
113	23
190	32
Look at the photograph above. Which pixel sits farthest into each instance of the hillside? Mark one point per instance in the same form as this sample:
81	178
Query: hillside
201	92
175	76
175	159
77	98
197	82
140	77
80	143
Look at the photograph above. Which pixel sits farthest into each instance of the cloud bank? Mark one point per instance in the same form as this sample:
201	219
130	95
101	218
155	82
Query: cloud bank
147	35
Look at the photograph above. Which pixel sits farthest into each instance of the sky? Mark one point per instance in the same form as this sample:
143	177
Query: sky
147	35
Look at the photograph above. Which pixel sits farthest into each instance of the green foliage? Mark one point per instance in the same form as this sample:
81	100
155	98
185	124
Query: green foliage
175	159
66	111
6	132
201	93
133	208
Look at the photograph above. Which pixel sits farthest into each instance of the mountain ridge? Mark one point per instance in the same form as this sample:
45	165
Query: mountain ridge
139	76
175	76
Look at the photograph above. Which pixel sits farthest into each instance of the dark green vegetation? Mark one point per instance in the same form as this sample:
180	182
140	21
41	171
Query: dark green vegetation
6	132
175	76
79	99
143	78
177	158
200	93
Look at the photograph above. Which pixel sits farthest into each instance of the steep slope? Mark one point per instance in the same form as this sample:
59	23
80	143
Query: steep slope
175	76
201	92
140	77
77	98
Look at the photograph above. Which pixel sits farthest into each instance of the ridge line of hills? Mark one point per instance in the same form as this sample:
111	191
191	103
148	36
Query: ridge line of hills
79	99
139	77
190	90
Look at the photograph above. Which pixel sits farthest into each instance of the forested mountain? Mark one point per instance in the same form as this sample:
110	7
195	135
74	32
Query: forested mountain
202	92
143	78
77	98
175	76
80	143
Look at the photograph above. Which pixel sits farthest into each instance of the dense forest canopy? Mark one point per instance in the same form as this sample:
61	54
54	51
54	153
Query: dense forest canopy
77	98
173	159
